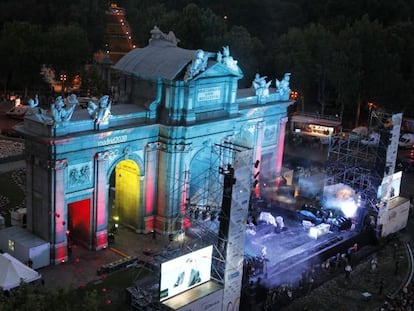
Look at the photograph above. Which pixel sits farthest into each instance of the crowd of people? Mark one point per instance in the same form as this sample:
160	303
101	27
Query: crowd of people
312	277
402	301
346	265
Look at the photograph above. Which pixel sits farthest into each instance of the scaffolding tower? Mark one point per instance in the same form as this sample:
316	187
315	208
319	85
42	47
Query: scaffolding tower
362	162
203	215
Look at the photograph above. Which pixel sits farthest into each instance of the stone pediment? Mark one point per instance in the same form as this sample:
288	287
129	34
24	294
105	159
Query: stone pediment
216	69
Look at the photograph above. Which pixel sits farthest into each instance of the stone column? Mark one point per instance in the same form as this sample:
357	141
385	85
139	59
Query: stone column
257	155
99	210
58	213
170	203
281	145
150	188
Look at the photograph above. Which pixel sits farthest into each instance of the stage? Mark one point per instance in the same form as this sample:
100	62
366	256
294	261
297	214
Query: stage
282	256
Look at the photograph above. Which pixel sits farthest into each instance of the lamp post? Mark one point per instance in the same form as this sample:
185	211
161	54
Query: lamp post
371	106
63	79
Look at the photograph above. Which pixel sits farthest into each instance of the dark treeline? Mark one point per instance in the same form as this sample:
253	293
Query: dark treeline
60	34
342	53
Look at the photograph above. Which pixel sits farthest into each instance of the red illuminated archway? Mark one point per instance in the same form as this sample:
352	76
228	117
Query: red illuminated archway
79	221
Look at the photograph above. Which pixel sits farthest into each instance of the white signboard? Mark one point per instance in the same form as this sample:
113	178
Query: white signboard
185	272
209	94
397	216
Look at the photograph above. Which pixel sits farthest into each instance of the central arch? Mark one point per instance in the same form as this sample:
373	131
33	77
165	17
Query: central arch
124	194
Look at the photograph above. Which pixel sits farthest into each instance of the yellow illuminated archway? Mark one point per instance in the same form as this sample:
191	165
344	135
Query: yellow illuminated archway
127	194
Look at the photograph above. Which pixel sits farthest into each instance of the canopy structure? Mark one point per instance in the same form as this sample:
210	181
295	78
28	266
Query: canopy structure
13	272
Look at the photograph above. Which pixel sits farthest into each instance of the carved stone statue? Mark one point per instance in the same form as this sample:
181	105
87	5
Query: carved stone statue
33	102
33	106
261	86
226	59
283	88
59	110
198	65
101	111
157	34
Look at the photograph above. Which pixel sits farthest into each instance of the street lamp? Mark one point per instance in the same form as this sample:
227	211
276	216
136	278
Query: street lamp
371	106
63	79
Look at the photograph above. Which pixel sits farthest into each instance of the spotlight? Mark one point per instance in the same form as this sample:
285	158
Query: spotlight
256	164
256	175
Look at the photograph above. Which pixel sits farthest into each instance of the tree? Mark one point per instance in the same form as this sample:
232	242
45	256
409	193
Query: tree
400	43
245	49
32	297
68	49
365	68
193	25
307	54
21	51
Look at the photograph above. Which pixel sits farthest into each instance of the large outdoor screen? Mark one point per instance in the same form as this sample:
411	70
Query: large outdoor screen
390	187
185	272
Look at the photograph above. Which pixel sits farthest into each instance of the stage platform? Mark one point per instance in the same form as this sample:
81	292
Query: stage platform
295	249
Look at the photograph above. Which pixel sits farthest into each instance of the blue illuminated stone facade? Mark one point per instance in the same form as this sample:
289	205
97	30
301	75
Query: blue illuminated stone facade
175	106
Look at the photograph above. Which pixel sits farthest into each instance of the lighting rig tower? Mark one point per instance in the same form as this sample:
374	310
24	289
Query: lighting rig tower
235	176
221	224
362	163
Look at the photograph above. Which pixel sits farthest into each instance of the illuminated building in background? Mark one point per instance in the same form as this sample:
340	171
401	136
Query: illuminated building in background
155	152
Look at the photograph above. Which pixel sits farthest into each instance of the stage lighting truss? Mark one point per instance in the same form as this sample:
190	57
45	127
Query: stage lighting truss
203	210
359	165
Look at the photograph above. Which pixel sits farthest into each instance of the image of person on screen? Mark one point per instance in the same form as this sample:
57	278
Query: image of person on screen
189	276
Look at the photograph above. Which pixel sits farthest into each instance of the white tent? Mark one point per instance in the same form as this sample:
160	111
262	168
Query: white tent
13	271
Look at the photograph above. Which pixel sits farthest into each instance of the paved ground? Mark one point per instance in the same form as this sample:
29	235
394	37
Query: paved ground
341	293
336	294
83	264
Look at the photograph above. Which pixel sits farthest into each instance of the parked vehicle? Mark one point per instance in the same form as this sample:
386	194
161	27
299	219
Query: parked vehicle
407	164
358	133
373	139
308	216
406	140
18	111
